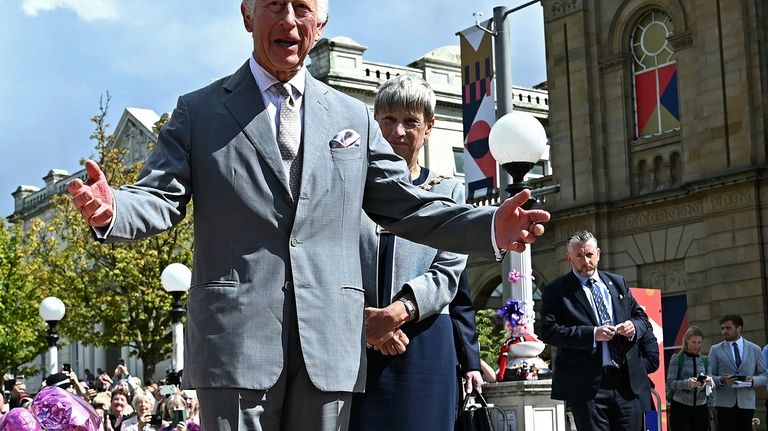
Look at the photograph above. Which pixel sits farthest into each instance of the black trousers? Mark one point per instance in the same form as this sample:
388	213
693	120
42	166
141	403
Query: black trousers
734	419
683	417
614	408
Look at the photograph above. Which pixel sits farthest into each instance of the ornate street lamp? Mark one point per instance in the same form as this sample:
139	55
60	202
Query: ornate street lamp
176	279
52	311
517	142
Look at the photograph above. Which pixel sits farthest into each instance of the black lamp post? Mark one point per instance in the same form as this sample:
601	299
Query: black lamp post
52	311
176	279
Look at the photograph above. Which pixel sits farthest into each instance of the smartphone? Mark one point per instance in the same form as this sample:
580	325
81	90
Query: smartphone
66	367
741	378
20	379
156	420
167	390
121	361
179	416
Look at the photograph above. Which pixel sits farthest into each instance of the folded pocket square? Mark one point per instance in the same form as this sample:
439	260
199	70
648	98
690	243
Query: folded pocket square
345	139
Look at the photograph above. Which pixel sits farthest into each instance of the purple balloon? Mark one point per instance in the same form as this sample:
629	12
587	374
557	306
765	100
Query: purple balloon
59	410
20	419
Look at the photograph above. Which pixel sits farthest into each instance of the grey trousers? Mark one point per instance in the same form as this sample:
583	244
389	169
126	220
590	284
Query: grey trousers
292	404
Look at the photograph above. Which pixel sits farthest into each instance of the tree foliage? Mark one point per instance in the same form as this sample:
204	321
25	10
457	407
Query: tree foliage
491	335
22	332
112	291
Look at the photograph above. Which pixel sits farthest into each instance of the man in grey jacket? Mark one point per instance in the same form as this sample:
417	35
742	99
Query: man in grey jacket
280	167
737	369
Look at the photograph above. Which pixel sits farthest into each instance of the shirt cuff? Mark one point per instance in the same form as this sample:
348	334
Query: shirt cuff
594	338
499	253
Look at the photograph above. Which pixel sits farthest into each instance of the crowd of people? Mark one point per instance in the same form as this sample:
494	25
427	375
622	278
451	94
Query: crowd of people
122	401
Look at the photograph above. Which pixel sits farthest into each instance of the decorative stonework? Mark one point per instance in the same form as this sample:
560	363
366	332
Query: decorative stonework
730	201
616	61
668	276
681	40
662	216
554	9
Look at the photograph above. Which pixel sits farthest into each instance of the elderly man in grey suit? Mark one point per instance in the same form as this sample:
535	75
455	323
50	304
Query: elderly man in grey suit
280	167
737	369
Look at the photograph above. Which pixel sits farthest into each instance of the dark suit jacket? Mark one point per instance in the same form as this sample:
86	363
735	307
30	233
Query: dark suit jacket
464	327
649	357
568	323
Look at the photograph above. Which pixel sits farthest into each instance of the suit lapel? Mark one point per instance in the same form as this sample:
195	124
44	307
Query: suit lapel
246	105
581	298
315	131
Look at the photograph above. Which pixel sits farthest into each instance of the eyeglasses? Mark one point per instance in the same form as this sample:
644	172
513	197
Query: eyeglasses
392	122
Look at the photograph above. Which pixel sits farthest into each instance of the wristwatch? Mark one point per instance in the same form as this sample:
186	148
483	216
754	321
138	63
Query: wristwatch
410	308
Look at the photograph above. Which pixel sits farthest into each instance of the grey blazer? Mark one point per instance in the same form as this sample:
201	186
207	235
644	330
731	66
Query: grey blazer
721	363
434	288
253	241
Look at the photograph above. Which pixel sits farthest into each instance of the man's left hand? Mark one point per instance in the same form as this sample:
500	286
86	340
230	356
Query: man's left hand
626	329
516	227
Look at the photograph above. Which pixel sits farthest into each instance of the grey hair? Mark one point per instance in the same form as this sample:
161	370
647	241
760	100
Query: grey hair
322	9
406	93
139	397
581	237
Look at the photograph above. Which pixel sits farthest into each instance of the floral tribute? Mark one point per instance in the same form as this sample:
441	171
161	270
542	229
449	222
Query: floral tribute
520	332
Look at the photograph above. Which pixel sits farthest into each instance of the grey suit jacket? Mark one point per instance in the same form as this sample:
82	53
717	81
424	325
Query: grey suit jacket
432	275
253	242
721	363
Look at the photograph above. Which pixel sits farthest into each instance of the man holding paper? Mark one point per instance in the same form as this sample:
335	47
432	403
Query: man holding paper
737	369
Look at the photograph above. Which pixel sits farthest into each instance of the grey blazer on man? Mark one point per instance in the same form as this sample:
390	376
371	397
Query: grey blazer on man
253	241
721	363
434	289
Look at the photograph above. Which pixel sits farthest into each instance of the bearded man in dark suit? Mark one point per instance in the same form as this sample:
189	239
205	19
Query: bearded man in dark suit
593	320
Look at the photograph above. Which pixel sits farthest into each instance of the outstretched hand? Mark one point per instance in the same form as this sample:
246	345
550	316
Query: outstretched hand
516	227
93	198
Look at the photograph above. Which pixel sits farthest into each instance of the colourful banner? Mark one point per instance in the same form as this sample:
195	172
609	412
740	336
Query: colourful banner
650	301
656	98
478	111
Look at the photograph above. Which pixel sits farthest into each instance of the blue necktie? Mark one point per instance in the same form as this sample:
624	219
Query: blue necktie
736	355
605	319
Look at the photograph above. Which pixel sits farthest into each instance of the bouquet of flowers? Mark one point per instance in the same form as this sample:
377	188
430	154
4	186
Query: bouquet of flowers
522	343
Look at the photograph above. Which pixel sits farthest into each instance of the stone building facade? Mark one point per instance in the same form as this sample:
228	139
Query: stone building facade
672	179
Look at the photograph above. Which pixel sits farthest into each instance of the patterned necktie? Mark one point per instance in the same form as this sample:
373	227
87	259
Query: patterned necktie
605	319
289	136
736	355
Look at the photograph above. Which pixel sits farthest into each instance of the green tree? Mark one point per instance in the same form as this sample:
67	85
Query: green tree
22	332
112	291
490	334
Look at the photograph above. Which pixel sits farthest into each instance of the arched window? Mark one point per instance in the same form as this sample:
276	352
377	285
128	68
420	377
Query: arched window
655	76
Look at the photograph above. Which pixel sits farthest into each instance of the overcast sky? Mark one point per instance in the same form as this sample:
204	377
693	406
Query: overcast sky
58	56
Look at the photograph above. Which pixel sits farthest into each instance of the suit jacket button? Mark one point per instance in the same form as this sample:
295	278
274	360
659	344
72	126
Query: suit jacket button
288	198
294	242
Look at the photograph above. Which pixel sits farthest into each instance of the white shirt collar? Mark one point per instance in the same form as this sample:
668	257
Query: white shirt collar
265	81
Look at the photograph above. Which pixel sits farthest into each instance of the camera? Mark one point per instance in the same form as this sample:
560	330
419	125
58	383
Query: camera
66	367
741	378
121	362
701	378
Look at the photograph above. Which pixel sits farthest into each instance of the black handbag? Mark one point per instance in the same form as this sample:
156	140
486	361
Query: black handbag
478	416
